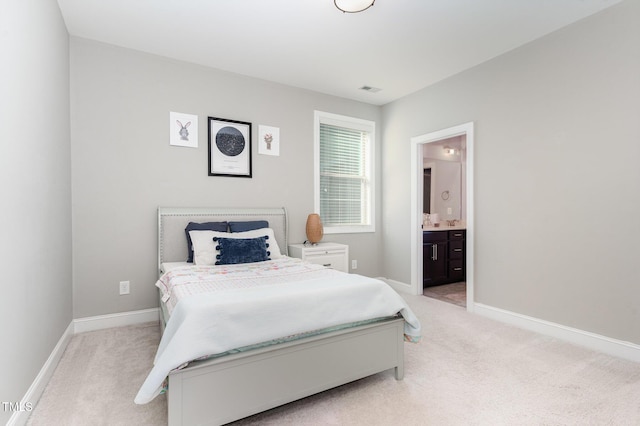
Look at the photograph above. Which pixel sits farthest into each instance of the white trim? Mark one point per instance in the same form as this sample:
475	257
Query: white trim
349	229
398	286
597	342
33	394
593	341
416	210
351	123
76	326
100	322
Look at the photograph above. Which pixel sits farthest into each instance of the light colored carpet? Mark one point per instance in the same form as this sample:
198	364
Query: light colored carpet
468	370
98	377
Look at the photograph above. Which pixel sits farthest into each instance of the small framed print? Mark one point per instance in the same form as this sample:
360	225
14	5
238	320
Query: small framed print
268	140
183	129
229	148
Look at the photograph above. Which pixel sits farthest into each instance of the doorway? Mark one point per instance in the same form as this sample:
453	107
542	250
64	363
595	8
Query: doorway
418	146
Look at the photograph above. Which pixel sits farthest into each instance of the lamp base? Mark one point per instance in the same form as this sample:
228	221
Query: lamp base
314	228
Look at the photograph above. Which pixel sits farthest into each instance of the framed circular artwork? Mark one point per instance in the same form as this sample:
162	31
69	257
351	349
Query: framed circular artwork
229	147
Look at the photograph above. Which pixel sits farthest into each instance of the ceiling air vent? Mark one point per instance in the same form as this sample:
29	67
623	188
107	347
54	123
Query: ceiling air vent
370	89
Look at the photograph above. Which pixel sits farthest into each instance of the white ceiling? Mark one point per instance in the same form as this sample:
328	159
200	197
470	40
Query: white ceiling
399	46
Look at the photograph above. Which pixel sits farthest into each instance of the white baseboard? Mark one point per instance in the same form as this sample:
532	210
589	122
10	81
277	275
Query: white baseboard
398	286
79	325
597	342
100	322
34	392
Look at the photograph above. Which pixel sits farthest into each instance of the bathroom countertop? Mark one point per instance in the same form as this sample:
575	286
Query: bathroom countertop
444	227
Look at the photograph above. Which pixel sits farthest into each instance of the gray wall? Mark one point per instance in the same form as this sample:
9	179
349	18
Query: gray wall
123	167
35	169
556	173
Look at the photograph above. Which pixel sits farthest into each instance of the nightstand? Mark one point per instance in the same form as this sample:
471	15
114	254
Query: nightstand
332	255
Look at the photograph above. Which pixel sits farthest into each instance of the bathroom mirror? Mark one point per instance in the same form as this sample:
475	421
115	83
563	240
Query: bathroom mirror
444	164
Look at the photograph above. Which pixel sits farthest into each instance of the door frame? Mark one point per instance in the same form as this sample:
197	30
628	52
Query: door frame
417	144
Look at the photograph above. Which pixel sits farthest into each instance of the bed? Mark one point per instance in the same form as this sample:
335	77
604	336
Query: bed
239	383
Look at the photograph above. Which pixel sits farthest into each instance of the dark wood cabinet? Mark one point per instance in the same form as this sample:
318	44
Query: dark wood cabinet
434	258
443	257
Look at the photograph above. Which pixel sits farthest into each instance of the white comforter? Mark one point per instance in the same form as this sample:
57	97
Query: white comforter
208	323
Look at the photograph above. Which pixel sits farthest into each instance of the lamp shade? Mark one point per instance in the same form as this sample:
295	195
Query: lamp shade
353	6
314	228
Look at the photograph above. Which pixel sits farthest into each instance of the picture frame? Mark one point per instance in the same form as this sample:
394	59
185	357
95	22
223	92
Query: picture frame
229	147
268	140
183	129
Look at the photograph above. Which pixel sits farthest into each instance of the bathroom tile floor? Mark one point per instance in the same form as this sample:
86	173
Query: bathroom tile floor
455	293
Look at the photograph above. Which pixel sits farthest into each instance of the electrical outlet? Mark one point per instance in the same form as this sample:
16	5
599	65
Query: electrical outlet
354	264
124	287
449	210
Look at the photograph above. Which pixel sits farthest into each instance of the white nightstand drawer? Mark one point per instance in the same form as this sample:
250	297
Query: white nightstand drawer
330	260
331	255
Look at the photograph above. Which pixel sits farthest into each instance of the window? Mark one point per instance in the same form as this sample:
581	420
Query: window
344	190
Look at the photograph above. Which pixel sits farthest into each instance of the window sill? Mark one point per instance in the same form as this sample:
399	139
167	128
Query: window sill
348	229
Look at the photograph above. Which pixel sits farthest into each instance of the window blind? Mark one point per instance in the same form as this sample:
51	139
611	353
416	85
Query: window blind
344	176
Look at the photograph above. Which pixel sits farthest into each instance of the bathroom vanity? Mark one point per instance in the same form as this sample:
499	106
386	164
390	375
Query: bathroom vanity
443	255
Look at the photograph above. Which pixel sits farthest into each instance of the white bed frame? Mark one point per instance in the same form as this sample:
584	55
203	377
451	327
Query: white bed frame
225	389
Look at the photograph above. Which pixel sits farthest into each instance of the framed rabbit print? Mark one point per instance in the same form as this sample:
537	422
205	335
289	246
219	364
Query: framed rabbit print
229	147
183	129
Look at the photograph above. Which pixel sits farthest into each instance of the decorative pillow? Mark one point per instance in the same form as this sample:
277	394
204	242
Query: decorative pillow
249	225
274	248
204	249
241	250
207	226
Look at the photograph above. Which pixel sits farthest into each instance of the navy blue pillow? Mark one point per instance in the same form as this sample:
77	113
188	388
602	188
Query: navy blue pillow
241	250
248	225
207	226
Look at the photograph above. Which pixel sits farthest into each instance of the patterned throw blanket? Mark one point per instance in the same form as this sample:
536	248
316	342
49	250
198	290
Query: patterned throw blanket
185	281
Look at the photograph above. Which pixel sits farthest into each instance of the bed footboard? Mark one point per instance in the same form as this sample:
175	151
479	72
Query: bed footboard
222	390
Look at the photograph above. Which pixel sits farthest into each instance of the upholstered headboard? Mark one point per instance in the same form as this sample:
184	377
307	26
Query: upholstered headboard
172	241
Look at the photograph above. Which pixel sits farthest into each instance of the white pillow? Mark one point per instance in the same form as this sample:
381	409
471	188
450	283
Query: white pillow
204	251
204	248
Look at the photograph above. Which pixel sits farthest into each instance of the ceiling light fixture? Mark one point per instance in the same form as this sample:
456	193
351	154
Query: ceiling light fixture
449	151
353	6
